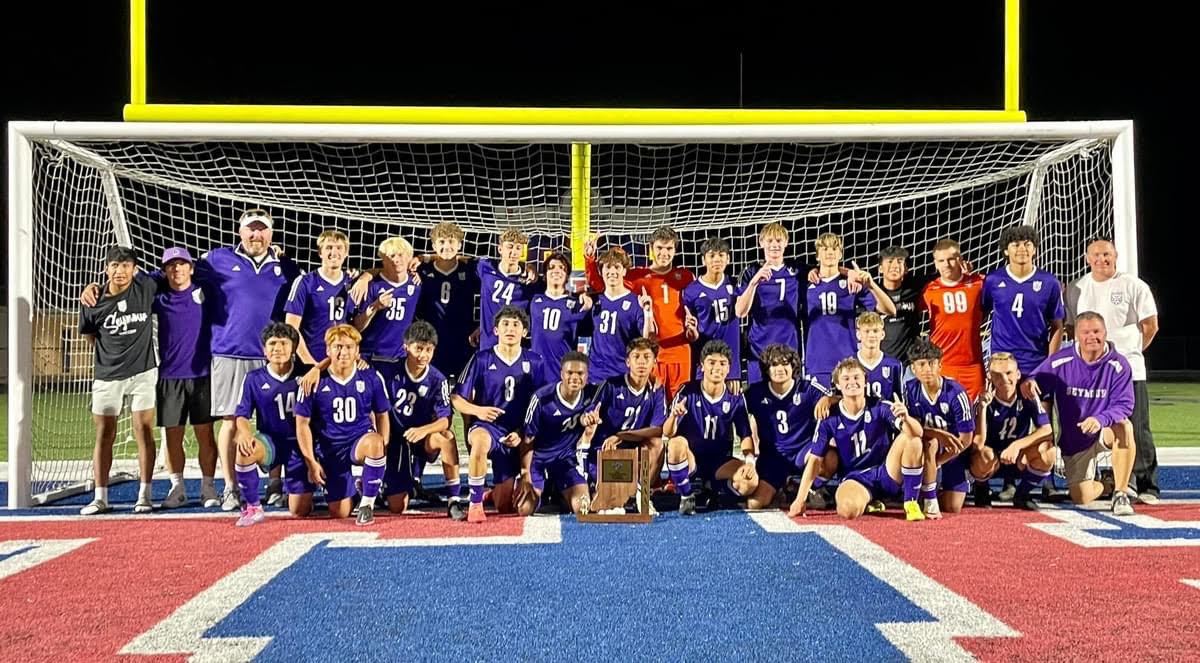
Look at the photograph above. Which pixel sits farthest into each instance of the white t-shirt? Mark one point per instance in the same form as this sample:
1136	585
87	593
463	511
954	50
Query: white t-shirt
1123	301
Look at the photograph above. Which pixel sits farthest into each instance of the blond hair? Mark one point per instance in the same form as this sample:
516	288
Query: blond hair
395	245
447	230
828	240
868	319
515	236
775	229
944	244
332	236
342	331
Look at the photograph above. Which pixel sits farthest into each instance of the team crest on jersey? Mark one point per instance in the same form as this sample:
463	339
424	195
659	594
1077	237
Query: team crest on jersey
121	306
625	305
525	366
1037	286
887	372
725	407
360	386
278	271
422	390
462	276
945	408
796	398
198	296
1116	298
571	303
842	284
410	290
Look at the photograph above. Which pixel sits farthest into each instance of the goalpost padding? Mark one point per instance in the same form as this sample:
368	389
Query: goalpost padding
80	187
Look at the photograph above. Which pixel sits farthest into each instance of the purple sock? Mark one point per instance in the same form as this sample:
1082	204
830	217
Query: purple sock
818	482
247	478
1030	479
476	484
679	476
453	487
372	476
911	481
929	491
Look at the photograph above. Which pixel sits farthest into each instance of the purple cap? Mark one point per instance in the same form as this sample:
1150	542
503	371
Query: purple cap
176	253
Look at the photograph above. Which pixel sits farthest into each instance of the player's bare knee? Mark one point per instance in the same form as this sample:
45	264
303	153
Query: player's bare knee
677	450
397	503
300	506
850	509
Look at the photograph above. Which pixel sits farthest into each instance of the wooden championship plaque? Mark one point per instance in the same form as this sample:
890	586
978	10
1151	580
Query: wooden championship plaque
620	473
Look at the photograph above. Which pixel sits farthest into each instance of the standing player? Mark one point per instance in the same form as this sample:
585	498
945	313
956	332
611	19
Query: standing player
885	374
1012	436
663	284
857	436
903	327
320	299
389	308
940	404
830	307
449	286
710	301
1026	303
420	423
781	416
770	295
344	422
505	282
184	311
557	316
555	434
1092	387
119	328
269	396
495	389
700	428
618	317
953	302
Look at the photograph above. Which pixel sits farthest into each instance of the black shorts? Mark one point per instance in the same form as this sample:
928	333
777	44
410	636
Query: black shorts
182	401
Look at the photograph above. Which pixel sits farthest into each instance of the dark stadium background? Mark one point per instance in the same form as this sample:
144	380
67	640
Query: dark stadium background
1081	60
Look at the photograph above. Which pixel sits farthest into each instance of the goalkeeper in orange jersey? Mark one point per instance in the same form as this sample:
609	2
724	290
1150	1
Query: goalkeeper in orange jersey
664	284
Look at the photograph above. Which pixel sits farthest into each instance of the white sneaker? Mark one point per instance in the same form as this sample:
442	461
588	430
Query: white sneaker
143	505
931	508
176	498
208	496
275	493
1121	505
232	501
1148	498
95	507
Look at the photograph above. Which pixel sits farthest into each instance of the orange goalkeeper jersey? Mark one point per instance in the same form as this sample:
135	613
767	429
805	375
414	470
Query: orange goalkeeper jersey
666	292
955	319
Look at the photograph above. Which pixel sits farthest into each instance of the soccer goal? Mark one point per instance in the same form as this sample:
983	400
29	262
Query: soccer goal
77	187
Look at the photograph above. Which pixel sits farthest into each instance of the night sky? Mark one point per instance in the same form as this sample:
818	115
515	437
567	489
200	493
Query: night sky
1081	60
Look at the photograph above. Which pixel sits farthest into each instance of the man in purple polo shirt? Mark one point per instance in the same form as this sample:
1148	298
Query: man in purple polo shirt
184	318
1092	386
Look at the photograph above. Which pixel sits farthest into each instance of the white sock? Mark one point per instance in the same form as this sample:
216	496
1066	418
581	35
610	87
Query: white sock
102	493
176	479
144	491
207	484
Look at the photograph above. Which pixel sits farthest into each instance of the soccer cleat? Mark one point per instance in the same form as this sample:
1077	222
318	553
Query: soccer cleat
366	514
912	510
876	506
1121	505
231	501
252	514
1148	498
94	508
275	493
208	496
456	508
981	493
932	510
1007	493
687	505
475	513
1025	502
176	498
143	505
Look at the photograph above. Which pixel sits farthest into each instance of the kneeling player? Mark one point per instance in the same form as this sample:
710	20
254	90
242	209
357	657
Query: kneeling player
872	464
347	411
700	428
420	423
1012	432
781	414
269	395
944	409
495	389
554	433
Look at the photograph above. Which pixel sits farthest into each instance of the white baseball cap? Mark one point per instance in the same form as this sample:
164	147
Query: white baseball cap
255	215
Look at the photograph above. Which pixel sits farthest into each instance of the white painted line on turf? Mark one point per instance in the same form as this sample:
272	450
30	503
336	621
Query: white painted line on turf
1077	526
955	616
1191	583
182	632
36	551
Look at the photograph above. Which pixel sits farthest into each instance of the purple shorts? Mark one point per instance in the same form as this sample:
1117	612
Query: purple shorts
956	472
774	468
877	481
557	473
337	457
286	453
398	476
708	464
506	461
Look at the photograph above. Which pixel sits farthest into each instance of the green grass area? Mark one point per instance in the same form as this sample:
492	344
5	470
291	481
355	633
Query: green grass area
65	424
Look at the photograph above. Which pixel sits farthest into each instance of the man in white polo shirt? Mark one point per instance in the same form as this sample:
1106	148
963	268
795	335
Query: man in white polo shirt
1131	316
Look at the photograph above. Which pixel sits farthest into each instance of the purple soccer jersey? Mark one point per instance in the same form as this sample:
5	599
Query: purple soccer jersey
184	332
950	410
340	410
553	423
418	400
709	425
615	322
383	337
1022	311
321	304
245	297
829	312
556	323
775	312
490	381
885	378
785	422
715	320
1102	389
270	401
1011	421
497	290
862	440
448	303
623	408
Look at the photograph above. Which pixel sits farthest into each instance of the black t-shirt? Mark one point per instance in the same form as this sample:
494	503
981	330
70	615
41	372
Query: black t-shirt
902	329
123	329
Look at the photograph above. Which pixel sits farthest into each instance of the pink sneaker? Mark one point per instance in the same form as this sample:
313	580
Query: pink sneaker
252	514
